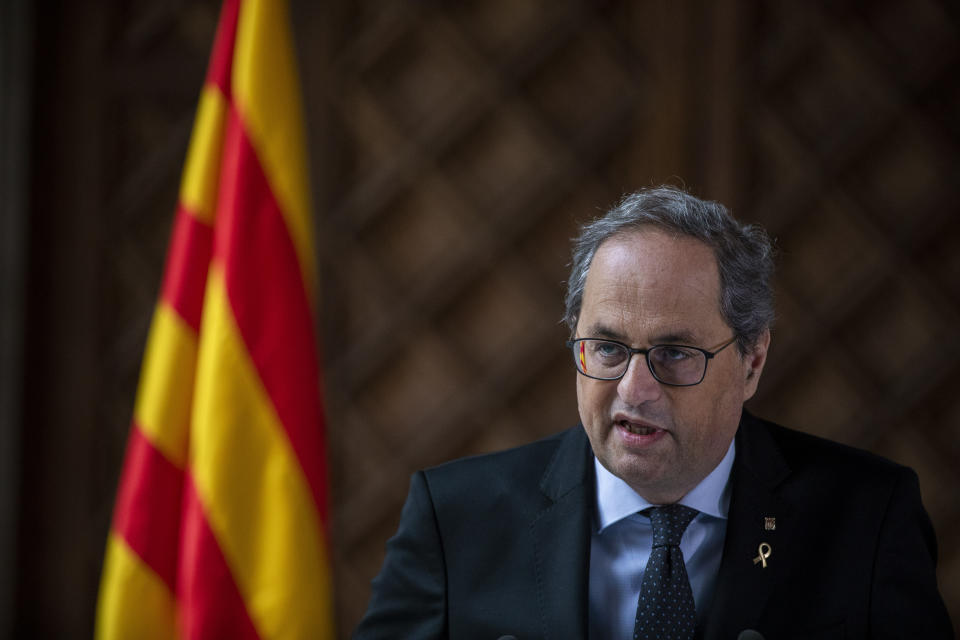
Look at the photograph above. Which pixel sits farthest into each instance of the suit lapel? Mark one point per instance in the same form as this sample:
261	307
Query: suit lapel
561	539
744	586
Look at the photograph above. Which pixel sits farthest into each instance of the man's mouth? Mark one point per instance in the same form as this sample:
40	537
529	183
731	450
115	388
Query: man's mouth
638	429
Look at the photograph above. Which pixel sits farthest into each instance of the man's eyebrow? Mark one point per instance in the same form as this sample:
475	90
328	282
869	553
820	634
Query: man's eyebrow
682	336
602	331
675	337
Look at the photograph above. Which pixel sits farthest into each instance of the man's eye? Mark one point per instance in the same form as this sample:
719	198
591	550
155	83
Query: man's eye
607	350
673	354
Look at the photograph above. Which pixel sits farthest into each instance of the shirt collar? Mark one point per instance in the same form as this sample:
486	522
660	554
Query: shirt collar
616	500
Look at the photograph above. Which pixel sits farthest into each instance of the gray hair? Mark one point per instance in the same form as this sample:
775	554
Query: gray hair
744	254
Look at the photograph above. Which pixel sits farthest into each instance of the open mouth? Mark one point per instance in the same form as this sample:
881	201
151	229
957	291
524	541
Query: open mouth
638	429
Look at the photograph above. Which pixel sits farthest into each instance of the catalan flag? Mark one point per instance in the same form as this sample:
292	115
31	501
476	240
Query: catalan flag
220	525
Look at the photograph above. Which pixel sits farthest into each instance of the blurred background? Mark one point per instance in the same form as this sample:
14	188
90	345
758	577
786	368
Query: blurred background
455	148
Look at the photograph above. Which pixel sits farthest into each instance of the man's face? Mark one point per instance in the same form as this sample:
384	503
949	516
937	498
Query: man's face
646	288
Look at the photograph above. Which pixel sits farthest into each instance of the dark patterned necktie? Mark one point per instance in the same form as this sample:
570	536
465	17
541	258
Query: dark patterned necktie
665	610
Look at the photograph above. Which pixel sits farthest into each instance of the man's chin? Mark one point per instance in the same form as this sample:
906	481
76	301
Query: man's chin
643	476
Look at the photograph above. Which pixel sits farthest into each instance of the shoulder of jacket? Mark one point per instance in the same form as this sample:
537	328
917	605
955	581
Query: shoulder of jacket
530	456
803	450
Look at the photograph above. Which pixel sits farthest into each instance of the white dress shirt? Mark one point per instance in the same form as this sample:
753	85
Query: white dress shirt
622	541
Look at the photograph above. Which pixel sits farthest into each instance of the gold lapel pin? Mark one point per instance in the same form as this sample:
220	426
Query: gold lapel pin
765	551
769	524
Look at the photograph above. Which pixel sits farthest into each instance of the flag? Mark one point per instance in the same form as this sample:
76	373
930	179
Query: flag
220	524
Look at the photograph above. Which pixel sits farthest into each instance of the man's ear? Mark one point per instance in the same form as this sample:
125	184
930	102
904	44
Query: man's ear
753	362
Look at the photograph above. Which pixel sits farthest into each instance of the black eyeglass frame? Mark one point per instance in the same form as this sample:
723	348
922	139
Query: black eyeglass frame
708	355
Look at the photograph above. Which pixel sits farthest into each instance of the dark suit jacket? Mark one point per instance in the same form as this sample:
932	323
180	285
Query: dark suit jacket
500	544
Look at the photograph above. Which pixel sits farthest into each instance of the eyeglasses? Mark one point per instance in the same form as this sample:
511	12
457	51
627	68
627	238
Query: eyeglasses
671	364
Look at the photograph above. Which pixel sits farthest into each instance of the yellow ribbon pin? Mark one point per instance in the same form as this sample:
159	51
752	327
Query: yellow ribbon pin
765	552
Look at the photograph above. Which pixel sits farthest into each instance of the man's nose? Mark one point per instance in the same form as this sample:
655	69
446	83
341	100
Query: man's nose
638	384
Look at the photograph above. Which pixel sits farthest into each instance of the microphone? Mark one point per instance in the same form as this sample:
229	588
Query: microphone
750	634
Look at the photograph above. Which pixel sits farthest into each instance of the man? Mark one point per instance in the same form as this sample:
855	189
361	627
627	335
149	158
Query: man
670	511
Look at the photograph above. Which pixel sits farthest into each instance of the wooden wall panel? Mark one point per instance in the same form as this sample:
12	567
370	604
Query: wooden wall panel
832	124
851	124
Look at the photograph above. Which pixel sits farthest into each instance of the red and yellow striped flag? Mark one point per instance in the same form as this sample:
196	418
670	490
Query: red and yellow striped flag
220	525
